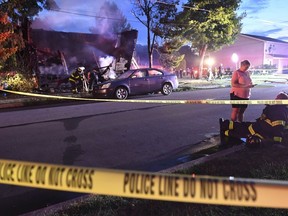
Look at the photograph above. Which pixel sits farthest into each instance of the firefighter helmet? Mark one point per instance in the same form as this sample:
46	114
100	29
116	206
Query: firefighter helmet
81	69
282	96
253	141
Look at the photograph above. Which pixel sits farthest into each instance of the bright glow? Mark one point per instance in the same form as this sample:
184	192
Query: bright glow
235	58
210	61
106	61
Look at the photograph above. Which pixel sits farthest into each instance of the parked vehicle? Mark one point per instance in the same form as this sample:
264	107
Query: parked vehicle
137	82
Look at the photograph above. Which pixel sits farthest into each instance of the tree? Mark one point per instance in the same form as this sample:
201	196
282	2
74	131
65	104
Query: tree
19	10
155	17
20	14
110	20
209	25
9	41
170	57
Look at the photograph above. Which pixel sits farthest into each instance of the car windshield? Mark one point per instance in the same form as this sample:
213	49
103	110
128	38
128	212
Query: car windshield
125	75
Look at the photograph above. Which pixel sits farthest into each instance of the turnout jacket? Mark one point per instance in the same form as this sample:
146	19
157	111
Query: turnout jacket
270	126
272	123
75	76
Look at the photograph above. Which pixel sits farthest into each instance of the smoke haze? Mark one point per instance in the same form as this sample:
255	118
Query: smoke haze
75	17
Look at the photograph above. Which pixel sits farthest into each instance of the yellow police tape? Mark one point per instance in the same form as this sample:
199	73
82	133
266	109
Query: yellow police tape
208	101
157	186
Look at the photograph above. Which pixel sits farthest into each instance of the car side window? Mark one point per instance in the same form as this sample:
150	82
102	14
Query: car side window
138	74
155	73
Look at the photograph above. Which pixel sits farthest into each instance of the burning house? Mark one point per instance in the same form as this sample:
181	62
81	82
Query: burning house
61	52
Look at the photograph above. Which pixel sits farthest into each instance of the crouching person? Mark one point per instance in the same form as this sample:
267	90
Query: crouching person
75	78
270	127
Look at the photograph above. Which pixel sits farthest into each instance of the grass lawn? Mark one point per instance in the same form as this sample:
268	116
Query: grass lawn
187	84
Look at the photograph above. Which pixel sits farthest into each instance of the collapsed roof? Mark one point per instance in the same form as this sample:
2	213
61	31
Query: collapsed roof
83	48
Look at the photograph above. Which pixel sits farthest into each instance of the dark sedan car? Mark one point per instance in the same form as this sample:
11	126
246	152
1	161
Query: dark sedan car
137	82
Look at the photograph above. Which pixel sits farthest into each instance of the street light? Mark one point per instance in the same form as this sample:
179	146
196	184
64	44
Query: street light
235	59
210	62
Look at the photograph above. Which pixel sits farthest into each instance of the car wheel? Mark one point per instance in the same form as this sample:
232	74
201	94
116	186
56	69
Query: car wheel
166	89
121	93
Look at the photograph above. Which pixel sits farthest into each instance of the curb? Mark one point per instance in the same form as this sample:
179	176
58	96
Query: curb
12	103
204	159
25	101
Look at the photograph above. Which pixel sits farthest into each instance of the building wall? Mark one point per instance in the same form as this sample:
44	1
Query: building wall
276	54
245	47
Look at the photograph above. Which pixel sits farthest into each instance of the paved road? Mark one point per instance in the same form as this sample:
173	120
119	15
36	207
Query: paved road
113	135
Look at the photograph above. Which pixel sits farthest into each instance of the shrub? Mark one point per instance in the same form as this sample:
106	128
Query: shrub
18	82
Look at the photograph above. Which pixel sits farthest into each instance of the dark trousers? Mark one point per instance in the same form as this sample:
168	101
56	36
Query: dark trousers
73	86
235	129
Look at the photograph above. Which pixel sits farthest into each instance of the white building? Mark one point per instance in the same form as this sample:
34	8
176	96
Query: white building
257	49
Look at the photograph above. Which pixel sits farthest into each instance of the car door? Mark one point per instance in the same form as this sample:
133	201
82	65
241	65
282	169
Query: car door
138	82
155	79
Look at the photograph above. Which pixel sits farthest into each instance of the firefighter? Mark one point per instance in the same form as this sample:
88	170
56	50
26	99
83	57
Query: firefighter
92	79
269	127
75	78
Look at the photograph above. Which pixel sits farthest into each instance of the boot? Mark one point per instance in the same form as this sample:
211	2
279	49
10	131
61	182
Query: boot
232	141
233	138
221	124
223	138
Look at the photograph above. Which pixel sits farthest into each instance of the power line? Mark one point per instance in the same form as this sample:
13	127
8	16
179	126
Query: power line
87	15
101	17
118	19
183	6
